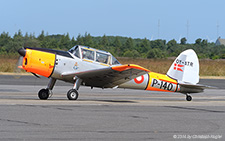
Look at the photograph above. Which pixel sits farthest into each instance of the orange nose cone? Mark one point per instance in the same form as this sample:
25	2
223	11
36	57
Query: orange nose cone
39	62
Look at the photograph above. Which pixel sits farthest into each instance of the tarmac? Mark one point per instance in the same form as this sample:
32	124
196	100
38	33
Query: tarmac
108	114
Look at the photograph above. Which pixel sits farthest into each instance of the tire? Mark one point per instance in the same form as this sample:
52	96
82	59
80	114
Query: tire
43	94
72	94
188	98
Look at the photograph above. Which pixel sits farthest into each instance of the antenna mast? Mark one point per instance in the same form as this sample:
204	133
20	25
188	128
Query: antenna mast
187	29
158	27
217	27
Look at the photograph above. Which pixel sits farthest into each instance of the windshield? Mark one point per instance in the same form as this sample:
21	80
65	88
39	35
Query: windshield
72	49
115	61
75	51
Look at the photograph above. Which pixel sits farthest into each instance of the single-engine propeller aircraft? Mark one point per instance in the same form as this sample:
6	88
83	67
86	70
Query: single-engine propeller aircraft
87	66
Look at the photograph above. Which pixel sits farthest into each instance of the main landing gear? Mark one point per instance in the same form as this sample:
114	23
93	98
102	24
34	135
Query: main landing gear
72	94
188	97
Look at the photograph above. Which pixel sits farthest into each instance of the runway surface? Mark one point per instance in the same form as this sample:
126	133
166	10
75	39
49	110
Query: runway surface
109	114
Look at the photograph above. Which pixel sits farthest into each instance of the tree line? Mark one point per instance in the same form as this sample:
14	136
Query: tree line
117	45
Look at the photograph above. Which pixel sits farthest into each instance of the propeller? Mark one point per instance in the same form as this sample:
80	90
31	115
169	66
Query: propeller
17	69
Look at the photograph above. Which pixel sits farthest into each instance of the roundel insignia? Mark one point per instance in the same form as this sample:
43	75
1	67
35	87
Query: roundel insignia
139	79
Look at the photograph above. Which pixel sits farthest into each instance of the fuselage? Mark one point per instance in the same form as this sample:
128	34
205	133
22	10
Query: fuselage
53	63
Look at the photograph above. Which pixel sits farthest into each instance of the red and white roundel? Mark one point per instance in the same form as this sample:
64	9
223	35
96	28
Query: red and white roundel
139	79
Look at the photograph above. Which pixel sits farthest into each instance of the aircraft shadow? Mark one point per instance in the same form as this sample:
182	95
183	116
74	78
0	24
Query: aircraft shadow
112	101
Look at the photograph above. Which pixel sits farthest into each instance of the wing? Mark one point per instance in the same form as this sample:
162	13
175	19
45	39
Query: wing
108	77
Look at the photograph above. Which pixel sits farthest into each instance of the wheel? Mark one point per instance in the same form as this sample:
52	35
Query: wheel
72	94
188	98
43	94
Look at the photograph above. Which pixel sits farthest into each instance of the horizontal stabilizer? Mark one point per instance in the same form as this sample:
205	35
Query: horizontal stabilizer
193	88
197	86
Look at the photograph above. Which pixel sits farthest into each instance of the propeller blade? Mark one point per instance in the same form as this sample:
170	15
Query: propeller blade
18	67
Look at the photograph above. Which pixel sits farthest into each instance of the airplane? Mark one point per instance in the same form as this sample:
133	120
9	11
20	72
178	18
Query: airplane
91	67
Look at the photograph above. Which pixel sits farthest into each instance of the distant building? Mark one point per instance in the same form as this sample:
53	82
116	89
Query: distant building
220	41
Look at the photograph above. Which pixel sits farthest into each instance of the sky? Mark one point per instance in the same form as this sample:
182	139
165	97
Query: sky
151	19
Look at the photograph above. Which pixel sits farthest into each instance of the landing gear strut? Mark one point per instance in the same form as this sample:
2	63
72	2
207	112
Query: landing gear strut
44	94
72	94
188	97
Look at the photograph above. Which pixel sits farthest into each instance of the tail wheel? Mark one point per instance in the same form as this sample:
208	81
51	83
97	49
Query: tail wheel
43	94
72	94
188	98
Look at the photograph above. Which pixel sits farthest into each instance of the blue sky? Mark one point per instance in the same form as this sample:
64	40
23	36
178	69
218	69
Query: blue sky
153	19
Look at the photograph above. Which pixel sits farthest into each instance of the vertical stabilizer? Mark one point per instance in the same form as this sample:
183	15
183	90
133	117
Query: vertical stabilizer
185	68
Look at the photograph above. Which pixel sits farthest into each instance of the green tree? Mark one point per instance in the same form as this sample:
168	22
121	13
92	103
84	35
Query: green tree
80	40
88	40
198	41
129	44
119	46
183	41
104	41
131	53
172	43
117	42
160	44
155	53
16	43
204	42
41	36
144	46
64	42
4	39
73	42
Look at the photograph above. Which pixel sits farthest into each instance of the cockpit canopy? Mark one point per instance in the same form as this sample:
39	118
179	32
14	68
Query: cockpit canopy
88	53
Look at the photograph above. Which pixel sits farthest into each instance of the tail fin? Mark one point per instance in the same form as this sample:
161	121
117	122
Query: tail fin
185	68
